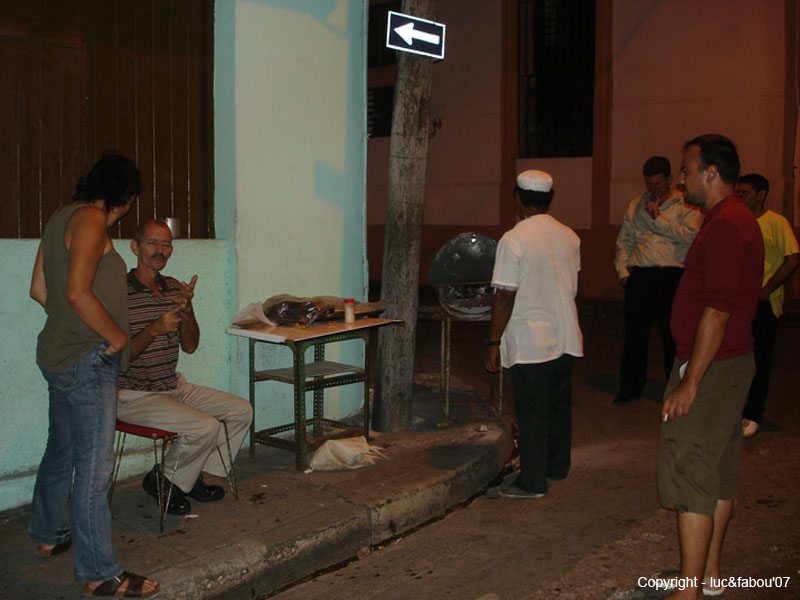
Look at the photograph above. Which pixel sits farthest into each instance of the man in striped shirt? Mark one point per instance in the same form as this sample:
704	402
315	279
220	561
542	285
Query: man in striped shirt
657	230
153	393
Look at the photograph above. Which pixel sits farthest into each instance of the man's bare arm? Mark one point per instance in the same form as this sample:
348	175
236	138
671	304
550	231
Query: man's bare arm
781	276
502	307
707	340
169	321
190	331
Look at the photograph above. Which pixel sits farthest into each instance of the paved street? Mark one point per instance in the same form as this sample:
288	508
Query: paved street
601	529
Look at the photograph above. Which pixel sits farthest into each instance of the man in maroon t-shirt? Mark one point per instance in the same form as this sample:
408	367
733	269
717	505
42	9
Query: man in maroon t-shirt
698	453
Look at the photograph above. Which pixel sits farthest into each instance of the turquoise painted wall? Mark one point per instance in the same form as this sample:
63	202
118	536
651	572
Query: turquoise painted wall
290	157
23	395
297	105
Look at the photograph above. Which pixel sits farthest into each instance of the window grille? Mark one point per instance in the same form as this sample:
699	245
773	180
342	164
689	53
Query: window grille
556	77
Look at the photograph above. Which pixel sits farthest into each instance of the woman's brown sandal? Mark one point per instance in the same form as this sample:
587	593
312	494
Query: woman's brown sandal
111	587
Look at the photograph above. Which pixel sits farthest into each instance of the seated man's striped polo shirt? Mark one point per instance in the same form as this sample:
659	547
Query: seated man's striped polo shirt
154	370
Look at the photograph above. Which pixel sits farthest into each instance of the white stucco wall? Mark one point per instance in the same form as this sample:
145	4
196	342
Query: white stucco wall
299	119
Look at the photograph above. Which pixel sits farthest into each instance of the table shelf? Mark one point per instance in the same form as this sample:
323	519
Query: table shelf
313	377
323	368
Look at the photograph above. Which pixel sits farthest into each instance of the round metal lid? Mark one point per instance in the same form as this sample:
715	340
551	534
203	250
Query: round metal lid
466	258
462	273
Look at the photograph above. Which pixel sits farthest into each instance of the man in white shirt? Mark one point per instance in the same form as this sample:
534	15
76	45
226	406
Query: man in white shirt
656	233
535	332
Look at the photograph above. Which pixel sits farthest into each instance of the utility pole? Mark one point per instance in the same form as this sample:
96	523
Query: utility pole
408	156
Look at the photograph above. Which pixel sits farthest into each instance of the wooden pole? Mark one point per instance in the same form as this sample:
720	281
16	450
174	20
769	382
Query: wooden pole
408	150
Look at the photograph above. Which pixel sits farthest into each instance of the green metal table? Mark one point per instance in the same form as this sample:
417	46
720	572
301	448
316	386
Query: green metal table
312	377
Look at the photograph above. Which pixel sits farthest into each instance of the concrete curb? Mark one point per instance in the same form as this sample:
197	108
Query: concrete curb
427	474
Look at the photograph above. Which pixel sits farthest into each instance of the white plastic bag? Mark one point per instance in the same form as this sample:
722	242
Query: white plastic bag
345	453
253	312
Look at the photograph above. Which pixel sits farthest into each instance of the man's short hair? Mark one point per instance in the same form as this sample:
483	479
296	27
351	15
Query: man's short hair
531	198
719	151
139	233
114	178
758	182
657	165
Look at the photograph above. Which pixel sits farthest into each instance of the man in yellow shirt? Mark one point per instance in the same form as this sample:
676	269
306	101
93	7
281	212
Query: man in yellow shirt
781	259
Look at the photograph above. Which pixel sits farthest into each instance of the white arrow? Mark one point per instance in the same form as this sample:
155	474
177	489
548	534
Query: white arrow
409	34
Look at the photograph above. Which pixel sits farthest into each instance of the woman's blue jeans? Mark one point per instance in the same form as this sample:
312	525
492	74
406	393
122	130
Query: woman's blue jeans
79	455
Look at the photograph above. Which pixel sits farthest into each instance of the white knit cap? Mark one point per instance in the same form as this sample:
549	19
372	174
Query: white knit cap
535	181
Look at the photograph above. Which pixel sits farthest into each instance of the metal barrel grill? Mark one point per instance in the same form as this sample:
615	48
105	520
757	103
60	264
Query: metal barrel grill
461	274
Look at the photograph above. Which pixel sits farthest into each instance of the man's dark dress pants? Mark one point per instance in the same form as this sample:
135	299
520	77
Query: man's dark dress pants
649	292
542	400
765	328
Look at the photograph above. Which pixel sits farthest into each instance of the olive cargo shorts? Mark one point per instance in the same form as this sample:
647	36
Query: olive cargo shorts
698	453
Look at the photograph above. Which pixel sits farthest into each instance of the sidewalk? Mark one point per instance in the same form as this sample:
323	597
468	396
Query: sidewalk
286	524
596	535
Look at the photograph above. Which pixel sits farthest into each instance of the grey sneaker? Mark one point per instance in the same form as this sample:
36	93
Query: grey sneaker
513	491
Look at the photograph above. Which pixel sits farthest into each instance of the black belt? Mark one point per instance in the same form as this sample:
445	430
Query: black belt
657	267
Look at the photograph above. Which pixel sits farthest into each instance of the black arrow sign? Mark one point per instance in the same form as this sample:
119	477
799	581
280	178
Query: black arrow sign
415	35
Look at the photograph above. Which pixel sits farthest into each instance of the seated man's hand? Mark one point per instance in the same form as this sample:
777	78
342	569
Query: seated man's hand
187	290
170	320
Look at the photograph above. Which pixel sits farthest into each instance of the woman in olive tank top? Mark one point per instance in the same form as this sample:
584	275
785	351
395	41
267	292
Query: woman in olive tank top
79	279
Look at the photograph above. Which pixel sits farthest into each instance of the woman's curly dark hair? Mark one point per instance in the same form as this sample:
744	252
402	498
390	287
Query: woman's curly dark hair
114	178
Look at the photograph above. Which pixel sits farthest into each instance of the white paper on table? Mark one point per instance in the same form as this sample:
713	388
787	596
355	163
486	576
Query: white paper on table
253	312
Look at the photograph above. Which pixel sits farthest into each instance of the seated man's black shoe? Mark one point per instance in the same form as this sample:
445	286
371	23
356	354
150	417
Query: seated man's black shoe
178	504
206	493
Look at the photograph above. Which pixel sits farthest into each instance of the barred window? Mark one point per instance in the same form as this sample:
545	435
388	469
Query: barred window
556	77
379	111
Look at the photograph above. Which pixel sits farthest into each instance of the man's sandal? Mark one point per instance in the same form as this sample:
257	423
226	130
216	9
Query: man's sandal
749	428
709	591
111	587
57	549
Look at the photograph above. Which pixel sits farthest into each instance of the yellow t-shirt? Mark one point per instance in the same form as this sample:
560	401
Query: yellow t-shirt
779	242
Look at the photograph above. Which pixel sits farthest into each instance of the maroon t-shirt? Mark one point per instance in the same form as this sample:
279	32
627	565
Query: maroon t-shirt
723	270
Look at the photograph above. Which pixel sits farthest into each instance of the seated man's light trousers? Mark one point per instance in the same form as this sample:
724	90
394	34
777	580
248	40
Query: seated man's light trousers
195	413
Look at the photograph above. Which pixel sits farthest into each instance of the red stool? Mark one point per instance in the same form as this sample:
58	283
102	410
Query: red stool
165	437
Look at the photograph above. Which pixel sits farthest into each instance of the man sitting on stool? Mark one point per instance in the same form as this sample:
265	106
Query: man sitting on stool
153	394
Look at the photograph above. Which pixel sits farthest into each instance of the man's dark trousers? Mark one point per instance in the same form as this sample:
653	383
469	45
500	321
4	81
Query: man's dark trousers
765	328
542	400
649	292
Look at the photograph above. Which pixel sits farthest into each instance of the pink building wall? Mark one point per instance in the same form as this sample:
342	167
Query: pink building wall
680	68
683	68
463	175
